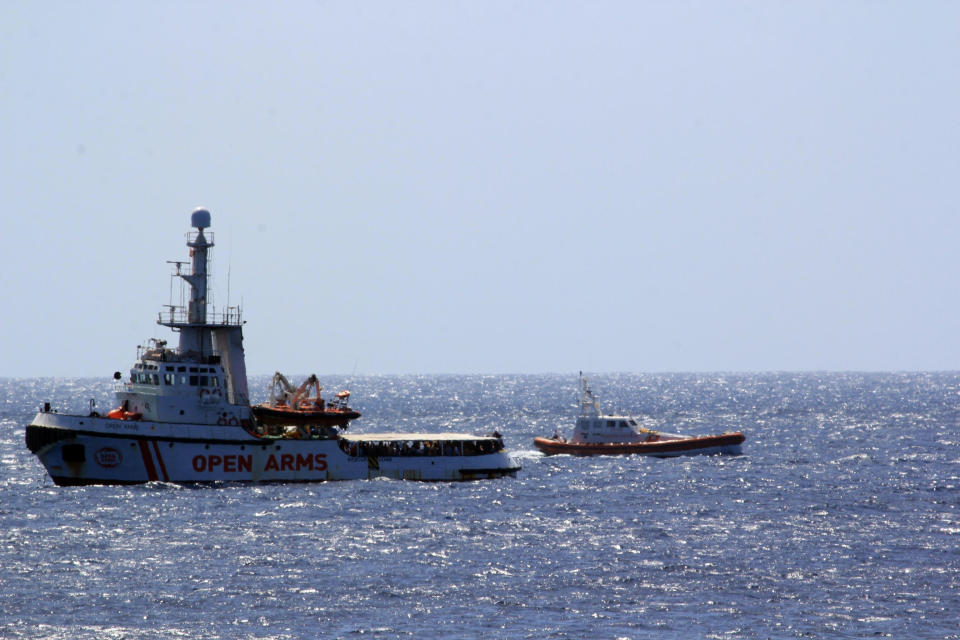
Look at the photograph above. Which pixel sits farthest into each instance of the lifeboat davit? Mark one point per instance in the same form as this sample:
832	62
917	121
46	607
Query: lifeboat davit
291	406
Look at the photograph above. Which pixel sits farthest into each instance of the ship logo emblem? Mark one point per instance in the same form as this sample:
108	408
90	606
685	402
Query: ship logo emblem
108	457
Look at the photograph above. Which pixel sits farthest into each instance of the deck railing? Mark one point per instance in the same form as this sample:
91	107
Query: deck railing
176	315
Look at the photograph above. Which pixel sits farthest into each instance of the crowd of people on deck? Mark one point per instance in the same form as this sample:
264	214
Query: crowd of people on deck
395	448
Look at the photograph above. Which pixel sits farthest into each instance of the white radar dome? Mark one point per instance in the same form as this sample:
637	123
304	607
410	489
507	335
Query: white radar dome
200	218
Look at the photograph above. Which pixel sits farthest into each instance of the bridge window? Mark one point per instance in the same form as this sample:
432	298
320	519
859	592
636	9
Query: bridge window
168	378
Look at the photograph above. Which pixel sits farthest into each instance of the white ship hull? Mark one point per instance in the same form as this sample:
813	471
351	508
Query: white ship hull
78	450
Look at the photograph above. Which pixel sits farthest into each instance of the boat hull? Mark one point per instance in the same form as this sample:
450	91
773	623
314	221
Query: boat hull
271	416
85	454
727	443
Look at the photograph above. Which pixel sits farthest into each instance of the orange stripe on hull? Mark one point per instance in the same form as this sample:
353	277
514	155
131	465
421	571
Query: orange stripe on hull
661	447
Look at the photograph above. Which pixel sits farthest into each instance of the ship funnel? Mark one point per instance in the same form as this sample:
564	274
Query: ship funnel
200	218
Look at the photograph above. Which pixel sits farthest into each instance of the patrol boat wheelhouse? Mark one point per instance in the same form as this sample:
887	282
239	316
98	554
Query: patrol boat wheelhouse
185	416
599	434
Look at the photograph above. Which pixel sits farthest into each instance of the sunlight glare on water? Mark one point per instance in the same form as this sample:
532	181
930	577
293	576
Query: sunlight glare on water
840	520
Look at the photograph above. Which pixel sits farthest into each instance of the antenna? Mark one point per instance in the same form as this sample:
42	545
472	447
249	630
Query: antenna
229	263
176	275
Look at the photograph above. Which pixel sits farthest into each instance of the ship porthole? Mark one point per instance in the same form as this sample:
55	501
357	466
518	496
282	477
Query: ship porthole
206	446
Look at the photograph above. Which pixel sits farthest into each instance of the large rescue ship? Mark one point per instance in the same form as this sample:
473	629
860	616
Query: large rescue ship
184	416
598	434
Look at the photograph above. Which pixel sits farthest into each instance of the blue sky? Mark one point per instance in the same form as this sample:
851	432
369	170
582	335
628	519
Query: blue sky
447	187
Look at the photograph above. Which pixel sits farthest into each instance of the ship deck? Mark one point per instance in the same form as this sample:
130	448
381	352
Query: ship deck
399	437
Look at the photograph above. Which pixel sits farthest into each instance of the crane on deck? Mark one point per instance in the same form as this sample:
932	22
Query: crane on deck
299	398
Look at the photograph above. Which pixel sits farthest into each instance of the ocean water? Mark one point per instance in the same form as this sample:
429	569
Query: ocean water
840	520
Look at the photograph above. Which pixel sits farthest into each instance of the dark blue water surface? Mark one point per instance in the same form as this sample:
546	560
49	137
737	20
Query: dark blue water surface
841	520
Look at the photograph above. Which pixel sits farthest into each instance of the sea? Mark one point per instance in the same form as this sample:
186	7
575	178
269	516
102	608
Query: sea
841	519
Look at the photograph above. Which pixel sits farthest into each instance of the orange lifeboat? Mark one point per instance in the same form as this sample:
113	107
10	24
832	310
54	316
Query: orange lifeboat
122	414
295	406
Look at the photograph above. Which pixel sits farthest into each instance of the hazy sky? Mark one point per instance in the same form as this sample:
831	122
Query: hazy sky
515	186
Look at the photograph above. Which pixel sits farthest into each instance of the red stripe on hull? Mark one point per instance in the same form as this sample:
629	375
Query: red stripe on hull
686	445
163	467
148	461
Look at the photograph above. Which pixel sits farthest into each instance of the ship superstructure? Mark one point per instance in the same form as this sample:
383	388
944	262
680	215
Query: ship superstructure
204	379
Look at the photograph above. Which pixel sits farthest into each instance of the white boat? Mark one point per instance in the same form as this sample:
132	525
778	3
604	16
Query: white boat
184	416
598	434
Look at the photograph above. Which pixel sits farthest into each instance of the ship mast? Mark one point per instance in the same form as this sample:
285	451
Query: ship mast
205	335
588	403
193	324
197	311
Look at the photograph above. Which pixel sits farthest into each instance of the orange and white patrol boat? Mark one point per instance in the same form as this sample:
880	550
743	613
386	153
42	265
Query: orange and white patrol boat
184	416
598	434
